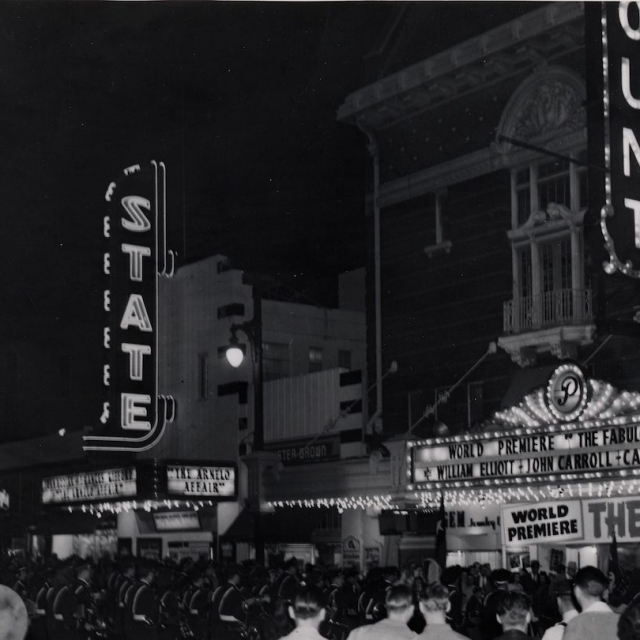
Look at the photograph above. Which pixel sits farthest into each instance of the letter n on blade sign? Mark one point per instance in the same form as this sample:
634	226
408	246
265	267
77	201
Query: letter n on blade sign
133	414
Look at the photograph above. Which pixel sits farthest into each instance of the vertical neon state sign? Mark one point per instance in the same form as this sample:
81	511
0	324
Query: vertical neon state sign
620	217
134	414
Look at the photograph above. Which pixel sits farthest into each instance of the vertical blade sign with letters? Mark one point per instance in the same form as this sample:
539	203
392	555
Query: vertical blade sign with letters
620	217
133	414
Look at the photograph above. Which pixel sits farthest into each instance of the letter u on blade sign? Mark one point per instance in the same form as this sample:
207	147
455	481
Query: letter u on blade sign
133	411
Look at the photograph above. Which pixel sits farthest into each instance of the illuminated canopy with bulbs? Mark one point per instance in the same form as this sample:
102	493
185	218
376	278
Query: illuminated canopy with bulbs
572	429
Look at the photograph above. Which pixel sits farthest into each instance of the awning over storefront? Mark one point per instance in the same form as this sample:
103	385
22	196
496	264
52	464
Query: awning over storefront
281	526
524	382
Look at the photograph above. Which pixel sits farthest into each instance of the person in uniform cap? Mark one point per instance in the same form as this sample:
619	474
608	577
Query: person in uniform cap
14	620
564	597
434	604
489	626
451	579
596	620
21	585
145	606
231	610
83	591
308	611
514	614
61	606
376	606
289	582
400	609
195	604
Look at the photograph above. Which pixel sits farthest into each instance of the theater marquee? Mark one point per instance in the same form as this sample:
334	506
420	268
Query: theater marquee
571	428
134	414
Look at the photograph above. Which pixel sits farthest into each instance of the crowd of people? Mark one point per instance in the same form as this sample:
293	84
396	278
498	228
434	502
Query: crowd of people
144	599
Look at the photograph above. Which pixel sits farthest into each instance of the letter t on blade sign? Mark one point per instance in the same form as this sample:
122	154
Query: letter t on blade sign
135	411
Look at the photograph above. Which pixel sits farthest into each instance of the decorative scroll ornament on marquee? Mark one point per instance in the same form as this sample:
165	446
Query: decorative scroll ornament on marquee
568	397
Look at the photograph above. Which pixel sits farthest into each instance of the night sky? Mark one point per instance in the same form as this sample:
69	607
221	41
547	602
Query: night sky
238	99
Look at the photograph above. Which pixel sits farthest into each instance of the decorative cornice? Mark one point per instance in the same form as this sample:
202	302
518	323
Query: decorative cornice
526	41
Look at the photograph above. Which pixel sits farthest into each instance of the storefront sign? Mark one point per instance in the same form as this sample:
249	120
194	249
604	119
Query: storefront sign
351	552
620	217
605	516
304	453
473	520
133	414
541	522
89	487
200	481
4	500
177	521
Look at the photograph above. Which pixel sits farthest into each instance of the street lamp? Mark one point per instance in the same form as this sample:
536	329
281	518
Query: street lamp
234	354
253	330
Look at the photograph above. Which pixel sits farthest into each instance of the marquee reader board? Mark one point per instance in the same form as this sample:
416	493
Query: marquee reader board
90	486
197	480
574	428
146	480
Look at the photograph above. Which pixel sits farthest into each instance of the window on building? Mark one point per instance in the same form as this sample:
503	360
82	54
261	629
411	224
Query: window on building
315	359
548	257
523	194
441	243
203	376
344	359
549	181
275	361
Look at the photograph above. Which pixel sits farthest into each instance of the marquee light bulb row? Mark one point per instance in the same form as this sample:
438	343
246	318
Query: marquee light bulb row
626	403
342	504
563	477
134	505
455	498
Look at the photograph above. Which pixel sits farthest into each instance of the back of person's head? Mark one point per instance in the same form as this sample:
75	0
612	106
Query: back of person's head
398	599
435	598
513	609
501	578
629	623
308	604
591	582
14	619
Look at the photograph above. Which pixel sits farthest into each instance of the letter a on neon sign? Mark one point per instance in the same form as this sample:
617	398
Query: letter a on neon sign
135	315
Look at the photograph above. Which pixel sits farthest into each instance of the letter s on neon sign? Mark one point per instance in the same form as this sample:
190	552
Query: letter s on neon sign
138	222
